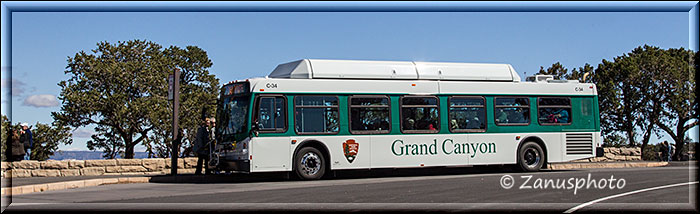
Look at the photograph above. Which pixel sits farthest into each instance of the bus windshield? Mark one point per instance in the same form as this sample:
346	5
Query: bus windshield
232	114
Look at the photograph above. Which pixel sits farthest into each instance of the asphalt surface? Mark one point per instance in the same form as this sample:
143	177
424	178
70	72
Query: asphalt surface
229	179
444	189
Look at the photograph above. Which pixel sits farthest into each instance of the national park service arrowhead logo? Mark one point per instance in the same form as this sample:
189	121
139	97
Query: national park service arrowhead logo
350	148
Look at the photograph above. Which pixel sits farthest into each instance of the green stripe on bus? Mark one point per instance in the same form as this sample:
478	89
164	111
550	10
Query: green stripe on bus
580	122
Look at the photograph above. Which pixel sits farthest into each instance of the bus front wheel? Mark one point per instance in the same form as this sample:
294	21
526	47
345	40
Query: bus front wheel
530	157
309	163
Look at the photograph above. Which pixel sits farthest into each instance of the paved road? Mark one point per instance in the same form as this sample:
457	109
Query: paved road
644	189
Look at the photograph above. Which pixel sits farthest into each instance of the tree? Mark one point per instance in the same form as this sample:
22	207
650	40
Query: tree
615	95
5	134
46	139
614	140
641	93
560	72
557	70
680	106
198	93
122	88
111	145
112	89
619	97
652	65
577	73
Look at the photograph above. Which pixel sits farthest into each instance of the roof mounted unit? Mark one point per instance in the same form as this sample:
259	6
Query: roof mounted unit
548	79
540	78
399	70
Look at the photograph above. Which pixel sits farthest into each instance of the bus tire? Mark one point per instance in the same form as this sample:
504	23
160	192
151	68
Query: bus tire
531	157
309	164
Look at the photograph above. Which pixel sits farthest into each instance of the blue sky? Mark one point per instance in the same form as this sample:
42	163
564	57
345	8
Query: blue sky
248	44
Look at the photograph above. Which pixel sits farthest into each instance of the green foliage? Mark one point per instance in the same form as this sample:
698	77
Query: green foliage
652	152
5	134
641	93
104	139
615	140
679	111
557	70
122	88
112	88
198	92
578	73
46	139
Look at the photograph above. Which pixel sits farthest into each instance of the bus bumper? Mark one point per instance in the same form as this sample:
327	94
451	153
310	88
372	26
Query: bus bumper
235	165
599	152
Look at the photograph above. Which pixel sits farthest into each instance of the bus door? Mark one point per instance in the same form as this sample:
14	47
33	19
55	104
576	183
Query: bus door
271	148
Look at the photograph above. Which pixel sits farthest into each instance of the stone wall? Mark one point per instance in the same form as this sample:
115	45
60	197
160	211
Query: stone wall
617	154
54	168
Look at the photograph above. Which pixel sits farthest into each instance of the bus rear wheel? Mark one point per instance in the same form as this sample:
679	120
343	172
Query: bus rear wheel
309	163
530	157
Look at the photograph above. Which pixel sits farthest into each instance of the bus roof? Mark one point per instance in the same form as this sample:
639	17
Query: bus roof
406	77
396	70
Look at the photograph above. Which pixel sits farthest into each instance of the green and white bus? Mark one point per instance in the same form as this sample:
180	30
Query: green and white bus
312	116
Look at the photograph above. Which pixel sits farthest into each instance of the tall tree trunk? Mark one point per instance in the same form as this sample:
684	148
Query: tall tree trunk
678	135
129	146
645	140
630	136
653	118
679	138
129	151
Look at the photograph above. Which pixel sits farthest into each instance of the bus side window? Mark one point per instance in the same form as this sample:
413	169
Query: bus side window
586	107
467	114
369	114
420	114
272	114
512	111
554	110
316	114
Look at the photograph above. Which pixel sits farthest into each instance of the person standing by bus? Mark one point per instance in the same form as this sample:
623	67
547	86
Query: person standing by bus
212	140
664	151
201	147
27	142
212	132
671	149
17	151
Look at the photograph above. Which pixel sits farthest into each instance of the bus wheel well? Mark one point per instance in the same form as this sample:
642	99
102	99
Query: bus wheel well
539	142
318	145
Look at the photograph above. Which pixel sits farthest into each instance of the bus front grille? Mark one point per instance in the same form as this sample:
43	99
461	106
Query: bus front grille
579	143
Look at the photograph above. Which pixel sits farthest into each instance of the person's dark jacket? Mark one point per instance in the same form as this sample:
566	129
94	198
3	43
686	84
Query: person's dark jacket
17	146
201	141
30	139
26	139
664	149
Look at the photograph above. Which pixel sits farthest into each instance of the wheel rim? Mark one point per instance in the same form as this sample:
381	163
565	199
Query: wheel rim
532	157
310	163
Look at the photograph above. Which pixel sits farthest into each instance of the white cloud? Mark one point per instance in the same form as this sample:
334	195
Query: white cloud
41	100
83	133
